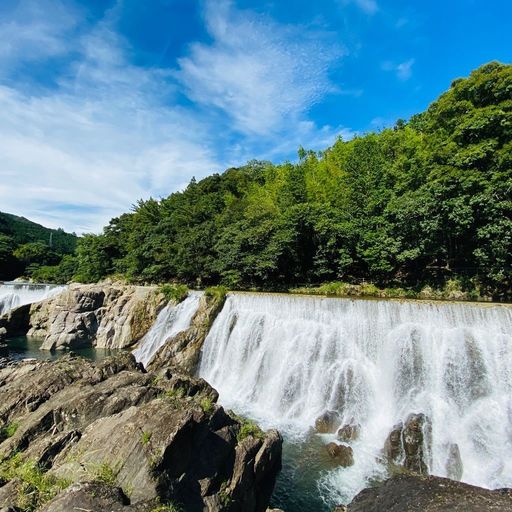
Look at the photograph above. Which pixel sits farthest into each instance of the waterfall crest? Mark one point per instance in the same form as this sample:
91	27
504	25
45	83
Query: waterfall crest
286	359
15	294
170	321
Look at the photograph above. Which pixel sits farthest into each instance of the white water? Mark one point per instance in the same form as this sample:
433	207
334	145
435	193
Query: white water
171	321
17	294
283	360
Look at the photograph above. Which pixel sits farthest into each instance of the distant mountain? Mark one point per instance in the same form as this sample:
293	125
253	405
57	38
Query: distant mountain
23	231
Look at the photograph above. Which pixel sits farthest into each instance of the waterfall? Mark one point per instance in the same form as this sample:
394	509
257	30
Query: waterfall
284	360
17	294
170	321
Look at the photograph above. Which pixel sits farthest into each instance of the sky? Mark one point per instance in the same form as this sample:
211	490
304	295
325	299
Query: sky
104	102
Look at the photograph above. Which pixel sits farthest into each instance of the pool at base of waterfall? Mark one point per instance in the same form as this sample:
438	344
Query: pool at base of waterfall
26	347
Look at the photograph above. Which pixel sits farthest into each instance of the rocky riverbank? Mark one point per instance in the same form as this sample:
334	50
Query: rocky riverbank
113	437
105	315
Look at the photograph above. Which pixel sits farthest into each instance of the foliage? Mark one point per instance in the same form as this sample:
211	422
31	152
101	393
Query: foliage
248	428
207	405
216	292
174	292
34	486
8	430
105	473
146	437
26	247
423	203
169	507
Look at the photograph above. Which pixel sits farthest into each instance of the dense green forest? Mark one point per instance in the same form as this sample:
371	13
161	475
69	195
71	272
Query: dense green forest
27	248
428	201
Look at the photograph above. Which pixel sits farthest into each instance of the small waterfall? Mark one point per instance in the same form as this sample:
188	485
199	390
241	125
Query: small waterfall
170	321
17	294
285	359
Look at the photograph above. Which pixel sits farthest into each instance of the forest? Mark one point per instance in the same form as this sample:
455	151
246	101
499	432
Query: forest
31	250
428	201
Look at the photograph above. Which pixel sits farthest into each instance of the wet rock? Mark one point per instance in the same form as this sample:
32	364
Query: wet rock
342	454
393	450
327	423
453	466
416	442
3	334
349	432
184	349
429	494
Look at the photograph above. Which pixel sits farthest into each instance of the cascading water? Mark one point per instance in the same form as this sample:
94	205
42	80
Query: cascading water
170	321
284	360
17	294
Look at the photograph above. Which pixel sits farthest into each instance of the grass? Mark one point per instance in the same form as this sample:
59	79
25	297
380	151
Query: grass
35	487
8	430
207	405
146	437
216	292
174	292
105	473
248	428
169	507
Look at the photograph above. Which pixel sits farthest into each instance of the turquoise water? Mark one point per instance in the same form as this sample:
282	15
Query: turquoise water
24	347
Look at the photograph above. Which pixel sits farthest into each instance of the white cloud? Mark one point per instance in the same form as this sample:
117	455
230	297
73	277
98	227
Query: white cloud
110	132
403	70
261	74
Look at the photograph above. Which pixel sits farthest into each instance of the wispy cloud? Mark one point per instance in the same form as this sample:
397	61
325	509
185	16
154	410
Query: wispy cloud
109	132
403	70
259	73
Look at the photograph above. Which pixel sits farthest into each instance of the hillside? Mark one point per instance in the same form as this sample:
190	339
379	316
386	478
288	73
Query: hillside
27	247
23	231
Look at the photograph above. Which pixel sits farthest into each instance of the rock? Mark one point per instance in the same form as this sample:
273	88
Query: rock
127	439
393	450
184	349
104	315
416	442
327	423
429	494
453	466
16	321
342	454
349	432
3	334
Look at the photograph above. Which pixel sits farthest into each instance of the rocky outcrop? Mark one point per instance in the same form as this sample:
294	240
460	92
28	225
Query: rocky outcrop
327	422
341	454
118	438
429	494
184	349
349	432
409	444
105	315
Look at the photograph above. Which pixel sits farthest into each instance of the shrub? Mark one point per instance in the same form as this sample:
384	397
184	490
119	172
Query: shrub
146	437
216	292
248	428
206	405
8	430
174	292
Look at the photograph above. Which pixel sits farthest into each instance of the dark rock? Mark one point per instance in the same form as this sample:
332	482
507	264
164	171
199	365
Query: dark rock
408	493
3	334
454	467
342	454
328	422
159	437
416	442
393	450
16	322
349	432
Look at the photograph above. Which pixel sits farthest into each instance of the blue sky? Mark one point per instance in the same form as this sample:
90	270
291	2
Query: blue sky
104	102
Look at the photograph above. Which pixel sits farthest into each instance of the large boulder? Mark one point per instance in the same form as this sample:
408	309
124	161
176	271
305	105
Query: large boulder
105	315
342	454
327	422
125	439
429	494
349	432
